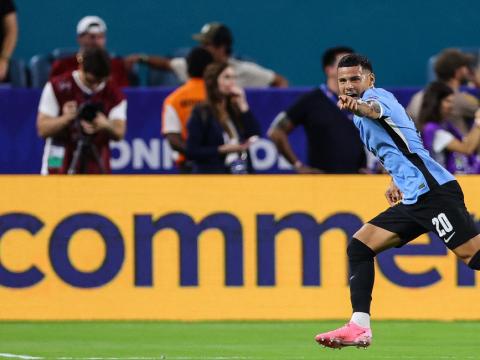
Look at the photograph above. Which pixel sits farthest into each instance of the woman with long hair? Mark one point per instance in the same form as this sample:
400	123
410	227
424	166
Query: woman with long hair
221	130
444	141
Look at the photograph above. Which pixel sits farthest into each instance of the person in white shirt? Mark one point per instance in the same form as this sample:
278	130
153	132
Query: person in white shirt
216	38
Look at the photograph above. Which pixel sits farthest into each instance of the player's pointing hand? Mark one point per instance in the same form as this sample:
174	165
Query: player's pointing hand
348	103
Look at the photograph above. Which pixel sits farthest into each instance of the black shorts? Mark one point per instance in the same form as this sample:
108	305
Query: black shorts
441	210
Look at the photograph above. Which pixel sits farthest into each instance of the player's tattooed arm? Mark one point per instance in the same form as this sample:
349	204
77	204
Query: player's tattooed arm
370	109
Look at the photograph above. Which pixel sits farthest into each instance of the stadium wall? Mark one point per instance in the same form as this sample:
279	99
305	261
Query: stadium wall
212	247
286	35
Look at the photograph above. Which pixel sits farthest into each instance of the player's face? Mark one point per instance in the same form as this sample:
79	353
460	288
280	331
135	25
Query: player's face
89	40
353	80
446	107
226	81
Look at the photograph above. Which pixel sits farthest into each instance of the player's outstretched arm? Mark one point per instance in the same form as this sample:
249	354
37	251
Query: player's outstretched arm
370	109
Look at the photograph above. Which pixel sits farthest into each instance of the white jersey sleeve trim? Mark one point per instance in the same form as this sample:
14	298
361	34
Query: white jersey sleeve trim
171	121
441	140
48	104
119	112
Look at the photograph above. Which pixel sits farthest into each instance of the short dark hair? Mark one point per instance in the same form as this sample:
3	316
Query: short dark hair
448	61
216	34
197	60
355	60
223	37
330	55
96	61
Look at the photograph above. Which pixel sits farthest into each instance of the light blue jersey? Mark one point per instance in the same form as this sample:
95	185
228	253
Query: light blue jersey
395	141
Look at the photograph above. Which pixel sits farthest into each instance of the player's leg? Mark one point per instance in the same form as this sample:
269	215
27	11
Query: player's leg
363	247
469	252
391	228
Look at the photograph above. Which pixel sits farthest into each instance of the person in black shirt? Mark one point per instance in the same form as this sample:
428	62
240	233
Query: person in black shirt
333	142
8	35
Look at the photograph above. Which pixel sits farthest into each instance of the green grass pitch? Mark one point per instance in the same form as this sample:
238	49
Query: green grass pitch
124	340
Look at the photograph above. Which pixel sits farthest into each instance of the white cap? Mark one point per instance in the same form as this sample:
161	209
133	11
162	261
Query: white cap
92	25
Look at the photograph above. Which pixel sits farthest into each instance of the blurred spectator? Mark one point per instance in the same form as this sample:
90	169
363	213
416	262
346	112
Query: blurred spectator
454	68
444	141
79	113
333	143
178	106
8	35
221	130
217	38
91	33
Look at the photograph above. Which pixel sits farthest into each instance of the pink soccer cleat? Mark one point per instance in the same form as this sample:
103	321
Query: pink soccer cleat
348	335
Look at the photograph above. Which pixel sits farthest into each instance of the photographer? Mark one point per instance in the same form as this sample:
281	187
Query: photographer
79	113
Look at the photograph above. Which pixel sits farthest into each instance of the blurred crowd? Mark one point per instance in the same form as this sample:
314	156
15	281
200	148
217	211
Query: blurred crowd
207	120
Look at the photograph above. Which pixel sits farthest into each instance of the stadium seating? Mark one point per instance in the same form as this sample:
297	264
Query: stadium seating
17	73
157	77
39	67
134	75
61	53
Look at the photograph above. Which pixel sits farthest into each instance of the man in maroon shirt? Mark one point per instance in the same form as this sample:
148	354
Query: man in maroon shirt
61	122
91	33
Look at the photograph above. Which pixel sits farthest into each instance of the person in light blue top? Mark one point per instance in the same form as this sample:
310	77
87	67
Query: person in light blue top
395	141
423	196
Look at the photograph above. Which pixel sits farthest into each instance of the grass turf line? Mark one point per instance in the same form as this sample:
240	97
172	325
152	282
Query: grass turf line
247	340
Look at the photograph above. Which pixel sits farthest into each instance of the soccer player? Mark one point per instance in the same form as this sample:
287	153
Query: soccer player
423	196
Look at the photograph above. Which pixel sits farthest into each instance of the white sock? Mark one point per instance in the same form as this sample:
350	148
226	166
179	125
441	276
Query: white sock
361	319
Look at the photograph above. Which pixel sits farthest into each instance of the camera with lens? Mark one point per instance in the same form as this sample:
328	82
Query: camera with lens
88	111
85	148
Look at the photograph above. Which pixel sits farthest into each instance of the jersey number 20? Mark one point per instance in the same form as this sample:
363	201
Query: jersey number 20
442	224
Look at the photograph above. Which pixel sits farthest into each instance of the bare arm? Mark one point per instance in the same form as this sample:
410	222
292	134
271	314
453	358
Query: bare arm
279	81
50	126
176	142
469	144
10	40
370	109
155	61
278	133
115	128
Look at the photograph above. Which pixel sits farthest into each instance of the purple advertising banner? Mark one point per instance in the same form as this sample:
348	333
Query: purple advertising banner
143	151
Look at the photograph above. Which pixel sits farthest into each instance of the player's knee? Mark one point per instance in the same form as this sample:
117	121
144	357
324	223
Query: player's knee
474	262
358	251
